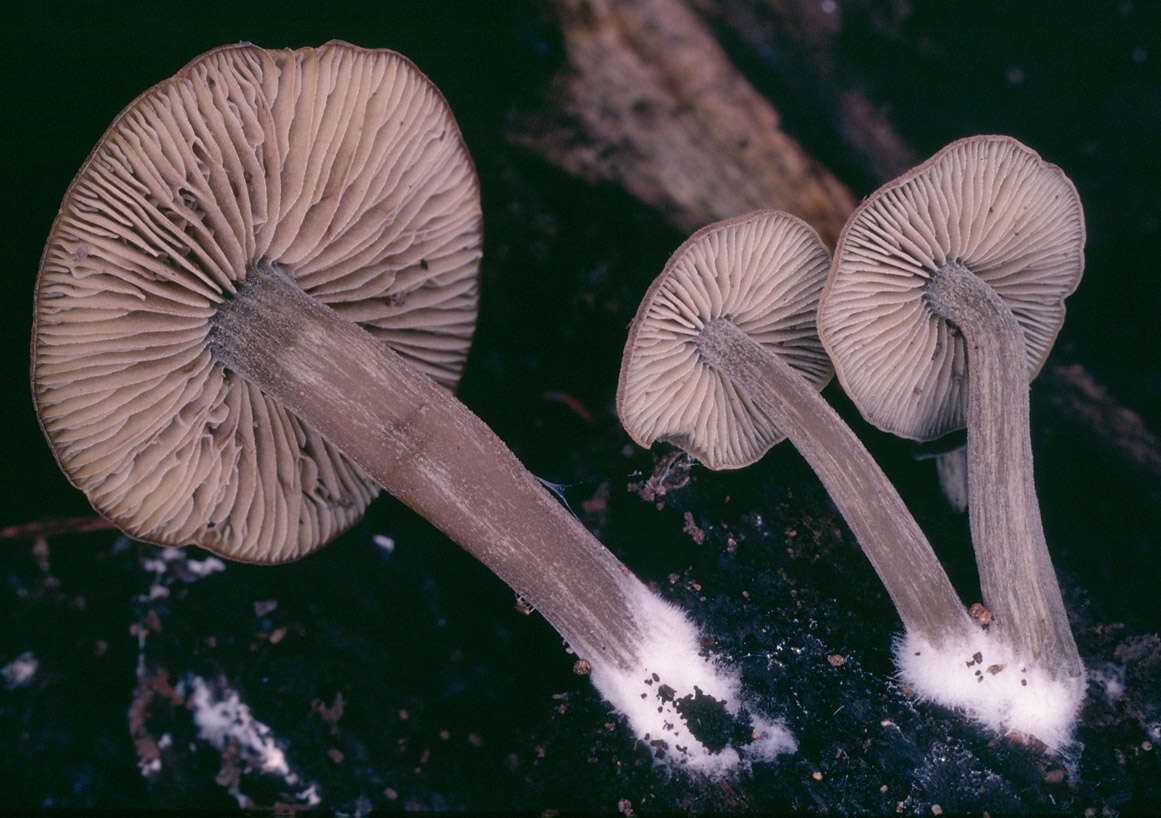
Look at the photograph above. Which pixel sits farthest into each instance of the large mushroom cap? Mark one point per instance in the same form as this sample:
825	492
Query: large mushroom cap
341	165
986	203
764	272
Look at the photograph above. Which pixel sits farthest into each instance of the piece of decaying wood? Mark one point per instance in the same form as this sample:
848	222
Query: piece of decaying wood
51	528
799	42
650	101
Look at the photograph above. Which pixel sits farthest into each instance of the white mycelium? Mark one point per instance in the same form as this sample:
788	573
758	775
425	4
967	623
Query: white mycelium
673	669
981	678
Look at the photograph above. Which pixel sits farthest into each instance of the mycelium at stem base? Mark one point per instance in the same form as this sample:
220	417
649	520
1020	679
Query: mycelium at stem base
876	514
1016	575
432	453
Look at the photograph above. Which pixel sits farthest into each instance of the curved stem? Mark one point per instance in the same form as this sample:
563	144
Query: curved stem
888	534
431	452
1016	575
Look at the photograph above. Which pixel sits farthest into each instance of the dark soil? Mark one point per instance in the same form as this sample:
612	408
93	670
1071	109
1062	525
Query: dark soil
391	671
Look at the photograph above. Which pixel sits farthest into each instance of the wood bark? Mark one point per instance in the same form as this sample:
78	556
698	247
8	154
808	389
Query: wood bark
650	101
799	46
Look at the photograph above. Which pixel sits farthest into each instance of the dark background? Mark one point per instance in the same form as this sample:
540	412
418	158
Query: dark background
424	644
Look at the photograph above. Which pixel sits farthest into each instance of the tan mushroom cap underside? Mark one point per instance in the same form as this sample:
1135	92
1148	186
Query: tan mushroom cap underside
342	165
763	271
986	203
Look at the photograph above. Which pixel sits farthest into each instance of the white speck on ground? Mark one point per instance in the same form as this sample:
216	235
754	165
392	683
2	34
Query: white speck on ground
221	716
20	670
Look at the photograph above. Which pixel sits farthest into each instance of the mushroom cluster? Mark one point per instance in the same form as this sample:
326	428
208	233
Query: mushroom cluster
252	308
943	297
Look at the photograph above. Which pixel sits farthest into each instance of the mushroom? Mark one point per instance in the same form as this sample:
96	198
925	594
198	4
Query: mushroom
255	299
723	360
946	292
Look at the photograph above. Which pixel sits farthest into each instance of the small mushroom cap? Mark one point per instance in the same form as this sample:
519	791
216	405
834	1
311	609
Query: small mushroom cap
987	203
345	167
763	271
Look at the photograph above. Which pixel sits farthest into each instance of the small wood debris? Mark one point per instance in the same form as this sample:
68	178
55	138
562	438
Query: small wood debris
981	615
691	528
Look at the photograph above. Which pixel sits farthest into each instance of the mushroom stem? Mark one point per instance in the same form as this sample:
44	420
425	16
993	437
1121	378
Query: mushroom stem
876	514
1016	576
426	448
